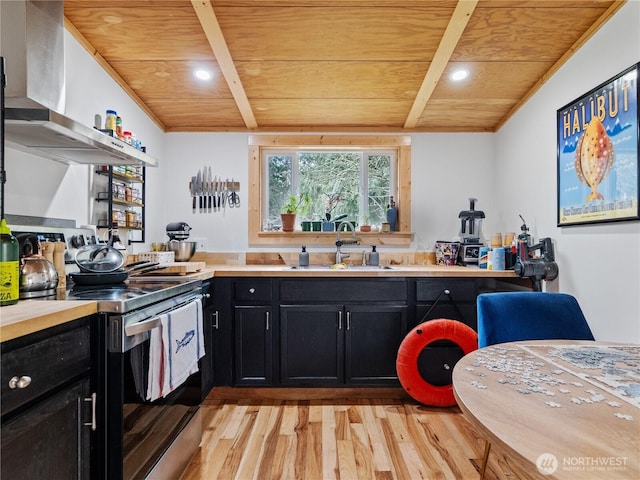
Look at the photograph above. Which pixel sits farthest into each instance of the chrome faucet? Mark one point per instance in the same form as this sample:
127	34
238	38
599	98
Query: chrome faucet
352	241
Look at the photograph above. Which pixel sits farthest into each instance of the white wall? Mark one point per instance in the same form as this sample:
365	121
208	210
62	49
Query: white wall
599	264
226	154
446	170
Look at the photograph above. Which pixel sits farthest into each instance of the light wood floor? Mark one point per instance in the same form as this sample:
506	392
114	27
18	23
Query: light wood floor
322	434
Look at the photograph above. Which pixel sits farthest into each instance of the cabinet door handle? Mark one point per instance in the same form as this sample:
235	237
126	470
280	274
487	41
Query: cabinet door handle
92	423
215	315
267	317
339	319
252	290
348	320
19	382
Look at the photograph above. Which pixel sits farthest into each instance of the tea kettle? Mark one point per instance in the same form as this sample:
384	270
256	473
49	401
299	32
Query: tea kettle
38	276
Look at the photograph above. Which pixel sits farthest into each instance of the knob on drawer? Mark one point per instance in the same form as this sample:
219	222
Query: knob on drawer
22	382
252	290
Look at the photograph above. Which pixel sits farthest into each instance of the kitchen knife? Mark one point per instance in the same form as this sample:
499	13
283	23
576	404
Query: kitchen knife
145	271
215	194
206	188
142	267
213	190
135	264
218	190
209	191
223	192
203	191
199	189
193	194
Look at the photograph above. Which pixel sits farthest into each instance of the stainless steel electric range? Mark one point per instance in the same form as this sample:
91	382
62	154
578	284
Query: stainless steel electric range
144	439
135	438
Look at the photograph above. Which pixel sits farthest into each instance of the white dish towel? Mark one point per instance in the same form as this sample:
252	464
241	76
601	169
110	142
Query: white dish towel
175	348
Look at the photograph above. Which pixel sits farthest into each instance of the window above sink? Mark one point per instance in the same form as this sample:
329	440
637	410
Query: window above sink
398	149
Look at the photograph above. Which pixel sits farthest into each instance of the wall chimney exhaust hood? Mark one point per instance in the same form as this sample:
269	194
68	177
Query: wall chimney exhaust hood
32	43
48	134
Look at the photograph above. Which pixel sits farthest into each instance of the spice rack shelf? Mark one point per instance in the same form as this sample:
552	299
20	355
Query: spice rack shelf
124	193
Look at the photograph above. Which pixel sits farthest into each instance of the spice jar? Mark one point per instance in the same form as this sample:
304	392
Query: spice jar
110	120
119	128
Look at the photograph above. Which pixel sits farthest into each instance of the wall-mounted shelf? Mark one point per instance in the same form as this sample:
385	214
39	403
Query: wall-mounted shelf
124	193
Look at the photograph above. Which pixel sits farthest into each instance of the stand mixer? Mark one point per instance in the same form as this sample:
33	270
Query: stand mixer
470	233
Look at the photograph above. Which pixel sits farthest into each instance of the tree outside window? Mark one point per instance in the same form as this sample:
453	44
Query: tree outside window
355	183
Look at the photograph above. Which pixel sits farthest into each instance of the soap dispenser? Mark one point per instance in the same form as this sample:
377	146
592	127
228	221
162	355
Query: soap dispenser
374	257
303	257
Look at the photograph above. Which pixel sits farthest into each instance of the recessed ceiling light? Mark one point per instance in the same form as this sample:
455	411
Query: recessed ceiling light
202	74
459	75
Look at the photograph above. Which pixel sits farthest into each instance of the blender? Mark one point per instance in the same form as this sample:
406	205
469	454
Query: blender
470	234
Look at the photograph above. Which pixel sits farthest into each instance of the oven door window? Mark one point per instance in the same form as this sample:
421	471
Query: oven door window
149	428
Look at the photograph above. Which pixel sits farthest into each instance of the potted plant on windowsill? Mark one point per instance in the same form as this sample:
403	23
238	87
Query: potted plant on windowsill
333	200
365	227
289	211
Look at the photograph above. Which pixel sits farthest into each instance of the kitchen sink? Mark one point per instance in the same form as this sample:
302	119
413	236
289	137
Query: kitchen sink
349	267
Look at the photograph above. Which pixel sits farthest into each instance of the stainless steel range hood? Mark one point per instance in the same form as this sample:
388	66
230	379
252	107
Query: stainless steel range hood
48	134
32	42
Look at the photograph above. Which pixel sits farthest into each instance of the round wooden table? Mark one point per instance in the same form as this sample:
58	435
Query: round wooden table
565	409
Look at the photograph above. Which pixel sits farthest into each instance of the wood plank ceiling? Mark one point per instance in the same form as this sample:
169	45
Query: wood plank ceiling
333	65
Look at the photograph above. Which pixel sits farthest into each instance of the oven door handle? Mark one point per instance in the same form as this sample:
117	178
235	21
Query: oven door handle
143	326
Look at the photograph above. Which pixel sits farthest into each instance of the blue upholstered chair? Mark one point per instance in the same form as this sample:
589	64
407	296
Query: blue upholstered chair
515	316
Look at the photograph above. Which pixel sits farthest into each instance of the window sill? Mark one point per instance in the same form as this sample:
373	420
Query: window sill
393	239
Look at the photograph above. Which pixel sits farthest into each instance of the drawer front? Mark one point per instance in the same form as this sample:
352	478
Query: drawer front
343	290
461	290
48	362
252	291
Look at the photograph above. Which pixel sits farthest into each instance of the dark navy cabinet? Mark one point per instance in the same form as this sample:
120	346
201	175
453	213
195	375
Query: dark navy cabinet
332	332
48	405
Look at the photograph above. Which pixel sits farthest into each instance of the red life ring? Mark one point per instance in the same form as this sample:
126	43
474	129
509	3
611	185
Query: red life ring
412	347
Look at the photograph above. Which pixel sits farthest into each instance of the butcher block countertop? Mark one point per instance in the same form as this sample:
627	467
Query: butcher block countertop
318	271
29	316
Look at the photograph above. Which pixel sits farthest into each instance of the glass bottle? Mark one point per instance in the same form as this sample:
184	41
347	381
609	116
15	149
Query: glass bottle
9	266
392	215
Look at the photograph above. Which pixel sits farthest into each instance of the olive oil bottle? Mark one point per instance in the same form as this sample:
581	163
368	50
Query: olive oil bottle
9	266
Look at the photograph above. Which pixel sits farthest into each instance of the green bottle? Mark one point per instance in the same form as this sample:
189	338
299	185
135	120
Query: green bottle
9	266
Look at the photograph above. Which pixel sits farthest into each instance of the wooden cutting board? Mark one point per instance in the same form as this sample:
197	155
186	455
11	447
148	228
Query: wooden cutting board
179	268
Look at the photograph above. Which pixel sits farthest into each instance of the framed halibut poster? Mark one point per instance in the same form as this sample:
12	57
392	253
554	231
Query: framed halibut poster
598	153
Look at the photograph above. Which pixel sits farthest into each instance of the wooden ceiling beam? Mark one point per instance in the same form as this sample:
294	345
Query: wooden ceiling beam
211	27
452	34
